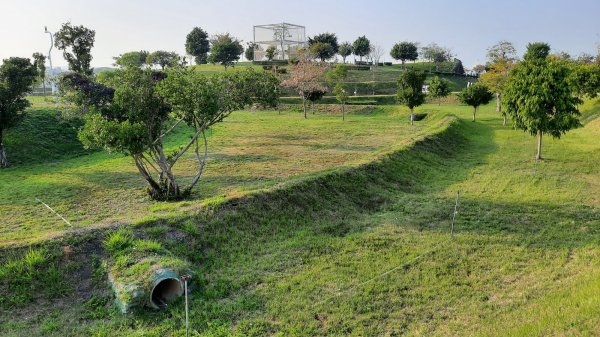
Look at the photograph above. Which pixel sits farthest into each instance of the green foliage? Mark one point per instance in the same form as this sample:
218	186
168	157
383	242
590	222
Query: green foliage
361	46
30	276
410	88
76	42
458	68
404	51
439	87
586	79
271	52
225	50
324	46
338	74
16	76
539	95
435	53
119	241
131	59
476	95
249	52
326	38
197	45
322	50
345	50
39	63
164	59
537	51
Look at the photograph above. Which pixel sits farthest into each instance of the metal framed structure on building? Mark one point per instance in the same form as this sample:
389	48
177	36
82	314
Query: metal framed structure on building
287	38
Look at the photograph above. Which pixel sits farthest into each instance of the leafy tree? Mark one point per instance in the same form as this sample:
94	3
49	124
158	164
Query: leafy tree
336	77
271	52
585	79
342	96
475	95
39	62
325	38
197	45
539	96
225	49
537	51
345	50
136	117
457	67
322	50
306	76
314	96
410	90
16	76
435	53
439	88
501	60
132	59
249	52
76	42
361	47
501	51
404	51
163	59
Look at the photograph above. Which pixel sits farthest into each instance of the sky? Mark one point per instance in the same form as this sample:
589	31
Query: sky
467	27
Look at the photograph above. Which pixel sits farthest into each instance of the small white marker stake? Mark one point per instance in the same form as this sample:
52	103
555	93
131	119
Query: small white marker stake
53	211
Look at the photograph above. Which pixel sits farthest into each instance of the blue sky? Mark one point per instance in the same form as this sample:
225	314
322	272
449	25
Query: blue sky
467	27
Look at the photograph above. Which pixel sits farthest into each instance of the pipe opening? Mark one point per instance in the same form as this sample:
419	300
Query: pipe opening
165	291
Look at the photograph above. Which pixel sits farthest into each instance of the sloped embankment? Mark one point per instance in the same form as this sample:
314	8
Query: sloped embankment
217	237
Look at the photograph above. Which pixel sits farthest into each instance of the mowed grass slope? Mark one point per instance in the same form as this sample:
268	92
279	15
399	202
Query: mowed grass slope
249	151
368	251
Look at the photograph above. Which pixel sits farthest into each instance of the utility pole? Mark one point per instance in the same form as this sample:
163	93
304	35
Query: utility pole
50	57
52	83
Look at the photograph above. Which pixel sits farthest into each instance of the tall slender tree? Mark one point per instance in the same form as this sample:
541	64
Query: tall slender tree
361	47
345	50
410	90
501	60
76	42
39	62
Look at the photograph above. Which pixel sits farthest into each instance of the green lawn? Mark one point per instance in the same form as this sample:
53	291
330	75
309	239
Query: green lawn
367	251
248	152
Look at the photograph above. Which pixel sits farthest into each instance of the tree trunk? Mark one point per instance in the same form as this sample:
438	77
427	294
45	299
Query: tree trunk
312	107
474	112
412	116
304	106
3	160
504	120
498	106
539	147
343	117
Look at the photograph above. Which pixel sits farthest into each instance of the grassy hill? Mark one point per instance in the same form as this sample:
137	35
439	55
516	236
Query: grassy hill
380	81
361	250
250	151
